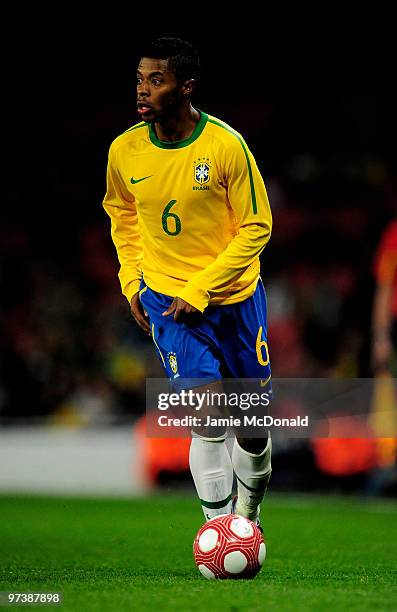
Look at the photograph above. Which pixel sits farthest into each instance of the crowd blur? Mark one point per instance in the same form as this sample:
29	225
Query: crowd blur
70	350
70	353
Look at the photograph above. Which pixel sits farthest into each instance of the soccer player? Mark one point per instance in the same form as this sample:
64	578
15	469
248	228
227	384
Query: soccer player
189	218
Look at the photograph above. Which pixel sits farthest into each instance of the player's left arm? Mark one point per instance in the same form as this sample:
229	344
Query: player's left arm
248	198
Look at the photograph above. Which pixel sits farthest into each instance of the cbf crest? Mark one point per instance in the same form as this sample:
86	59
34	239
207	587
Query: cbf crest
173	362
202	173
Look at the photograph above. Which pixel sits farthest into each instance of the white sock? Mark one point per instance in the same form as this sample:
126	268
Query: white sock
212	472
253	474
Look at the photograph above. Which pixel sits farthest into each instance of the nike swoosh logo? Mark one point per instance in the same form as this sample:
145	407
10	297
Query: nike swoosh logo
134	181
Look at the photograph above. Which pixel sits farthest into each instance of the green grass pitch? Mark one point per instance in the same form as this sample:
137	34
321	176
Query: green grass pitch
324	553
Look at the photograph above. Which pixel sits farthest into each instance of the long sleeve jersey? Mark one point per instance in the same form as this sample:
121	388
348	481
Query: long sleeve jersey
191	216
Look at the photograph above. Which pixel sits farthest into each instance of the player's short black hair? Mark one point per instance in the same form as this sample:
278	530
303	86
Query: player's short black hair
183	58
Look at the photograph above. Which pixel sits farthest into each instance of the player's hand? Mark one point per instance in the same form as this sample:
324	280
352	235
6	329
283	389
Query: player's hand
180	308
139	314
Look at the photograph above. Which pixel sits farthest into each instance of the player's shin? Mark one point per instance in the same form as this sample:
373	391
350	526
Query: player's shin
212	472
253	474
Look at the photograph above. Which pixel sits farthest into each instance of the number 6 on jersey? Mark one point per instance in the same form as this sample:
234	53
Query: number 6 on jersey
165	217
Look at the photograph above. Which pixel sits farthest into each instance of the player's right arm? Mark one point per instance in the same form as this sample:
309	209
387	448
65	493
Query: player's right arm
120	205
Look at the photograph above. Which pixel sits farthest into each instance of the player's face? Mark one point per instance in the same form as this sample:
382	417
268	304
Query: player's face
158	93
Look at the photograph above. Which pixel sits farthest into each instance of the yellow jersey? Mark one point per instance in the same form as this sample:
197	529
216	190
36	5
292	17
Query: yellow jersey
190	216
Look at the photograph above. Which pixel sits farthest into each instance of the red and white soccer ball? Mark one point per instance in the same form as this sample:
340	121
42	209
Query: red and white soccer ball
229	546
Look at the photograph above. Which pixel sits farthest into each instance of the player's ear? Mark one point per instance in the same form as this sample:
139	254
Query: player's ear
188	87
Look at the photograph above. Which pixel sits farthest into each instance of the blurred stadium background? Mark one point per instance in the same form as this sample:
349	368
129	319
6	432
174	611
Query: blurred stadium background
73	363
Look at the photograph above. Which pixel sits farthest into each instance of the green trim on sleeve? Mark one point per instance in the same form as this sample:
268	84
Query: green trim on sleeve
228	129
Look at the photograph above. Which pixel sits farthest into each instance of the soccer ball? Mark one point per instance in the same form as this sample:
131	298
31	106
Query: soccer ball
229	546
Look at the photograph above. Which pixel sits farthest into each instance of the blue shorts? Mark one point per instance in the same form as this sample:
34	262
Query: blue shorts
223	342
